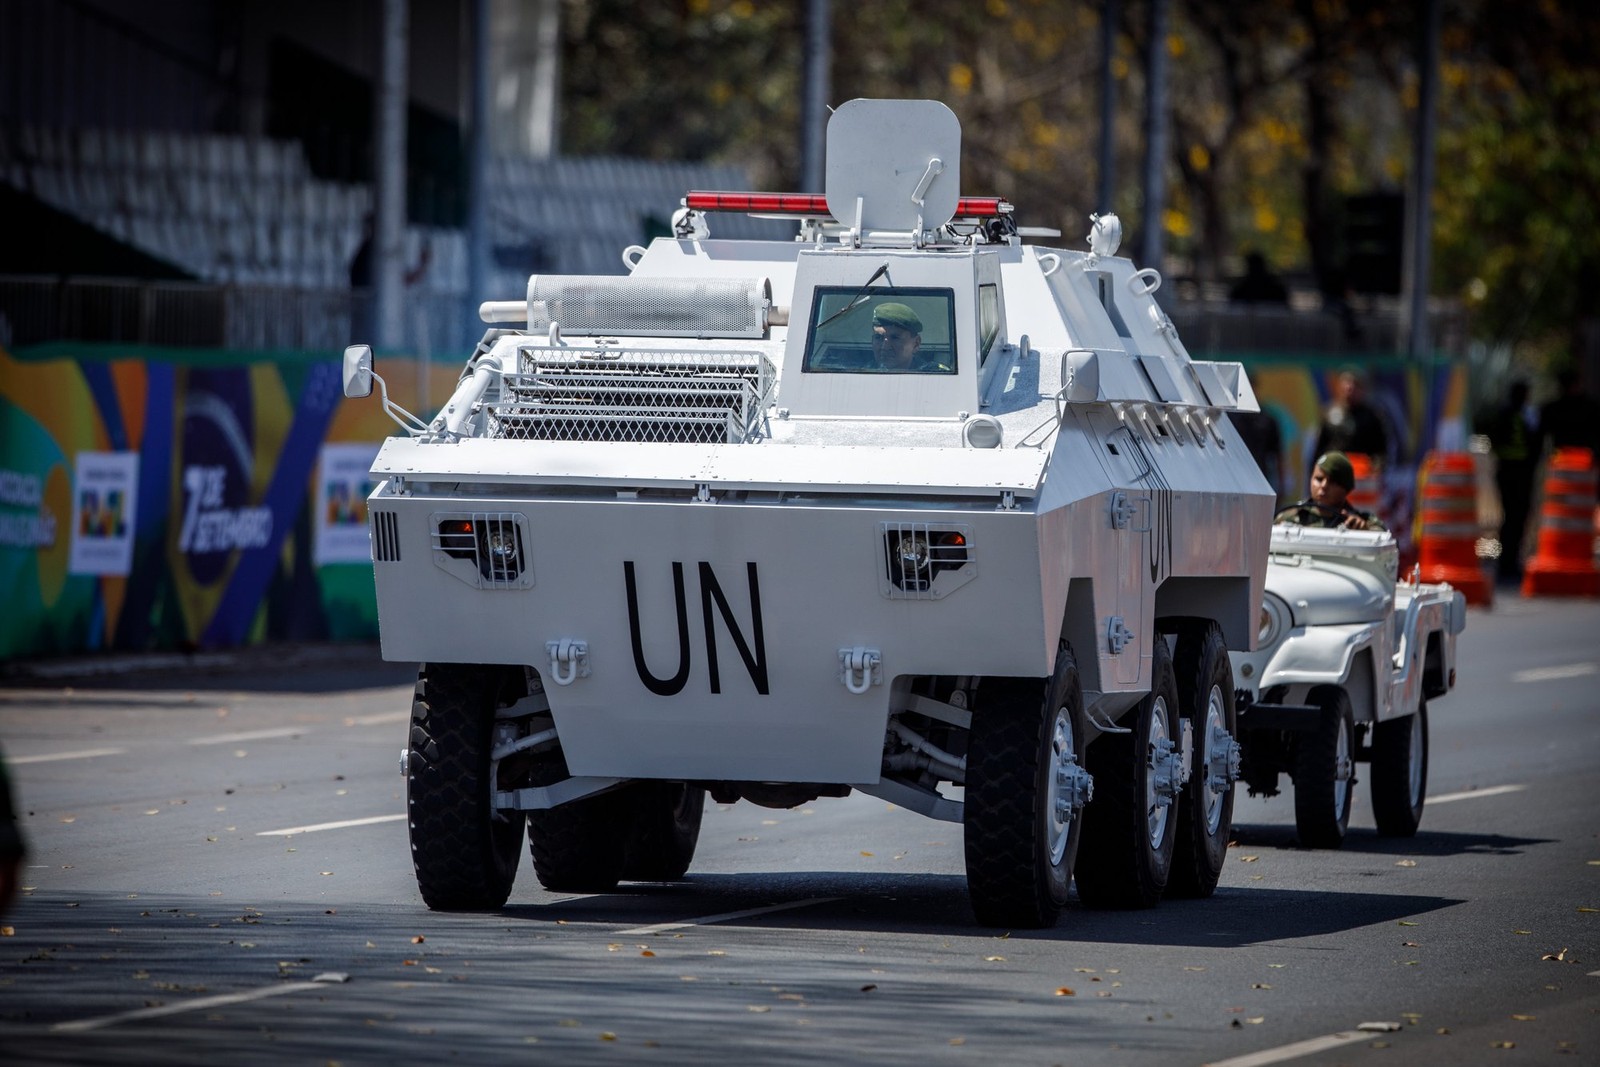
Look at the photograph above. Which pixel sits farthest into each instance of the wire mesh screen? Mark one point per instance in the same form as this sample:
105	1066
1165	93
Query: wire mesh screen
648	307
492	542
655	395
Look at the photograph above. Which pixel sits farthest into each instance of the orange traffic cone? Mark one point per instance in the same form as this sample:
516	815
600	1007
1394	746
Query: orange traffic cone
1449	548
1365	496
1564	562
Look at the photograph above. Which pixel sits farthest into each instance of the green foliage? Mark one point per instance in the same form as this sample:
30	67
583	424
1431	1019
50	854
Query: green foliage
1518	198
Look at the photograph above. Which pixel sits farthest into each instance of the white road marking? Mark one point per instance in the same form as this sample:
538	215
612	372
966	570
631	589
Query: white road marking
249	735
291	831
1473	794
659	928
1551	674
100	1022
1289	1052
380	719
51	757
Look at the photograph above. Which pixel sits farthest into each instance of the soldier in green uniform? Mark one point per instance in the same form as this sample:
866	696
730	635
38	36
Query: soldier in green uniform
897	341
1332	479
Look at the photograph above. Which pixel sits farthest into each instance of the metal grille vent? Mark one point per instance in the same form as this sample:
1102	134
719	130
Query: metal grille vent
385	537
493	543
925	561
651	395
604	304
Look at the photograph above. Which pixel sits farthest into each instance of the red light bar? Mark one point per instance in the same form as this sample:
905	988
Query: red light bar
785	203
968	207
973	207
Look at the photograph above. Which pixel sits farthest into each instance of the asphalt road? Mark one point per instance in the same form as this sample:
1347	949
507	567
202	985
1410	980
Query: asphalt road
220	873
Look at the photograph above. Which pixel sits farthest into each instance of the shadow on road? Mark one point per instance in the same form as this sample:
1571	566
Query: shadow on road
937	904
1426	843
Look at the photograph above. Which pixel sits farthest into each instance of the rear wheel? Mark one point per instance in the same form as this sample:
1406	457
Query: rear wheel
578	847
1025	795
1324	771
464	852
1205	807
1400	773
1130	831
666	826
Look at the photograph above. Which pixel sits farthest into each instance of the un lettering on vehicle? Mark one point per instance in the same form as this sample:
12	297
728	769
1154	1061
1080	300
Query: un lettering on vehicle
716	610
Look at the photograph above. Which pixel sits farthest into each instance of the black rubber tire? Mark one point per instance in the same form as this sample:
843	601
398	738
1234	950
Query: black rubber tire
1121	866
1321	800
1205	816
465	855
578	847
1015	876
1399	784
666	826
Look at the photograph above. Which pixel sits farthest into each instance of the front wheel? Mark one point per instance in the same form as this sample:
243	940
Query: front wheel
1130	831
1324	771
465	853
1025	795
1205	808
1400	773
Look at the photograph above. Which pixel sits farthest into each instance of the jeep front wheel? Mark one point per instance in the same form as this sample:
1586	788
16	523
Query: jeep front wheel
1324	771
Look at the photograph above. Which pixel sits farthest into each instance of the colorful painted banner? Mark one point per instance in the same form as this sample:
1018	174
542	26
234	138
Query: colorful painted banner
165	500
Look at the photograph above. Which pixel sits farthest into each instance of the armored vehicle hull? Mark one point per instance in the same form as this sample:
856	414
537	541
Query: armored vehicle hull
906	506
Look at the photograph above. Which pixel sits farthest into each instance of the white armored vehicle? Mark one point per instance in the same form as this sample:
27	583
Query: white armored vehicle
1345	663
903	505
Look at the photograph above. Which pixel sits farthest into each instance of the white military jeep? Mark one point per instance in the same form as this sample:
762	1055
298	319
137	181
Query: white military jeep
1345	662
691	530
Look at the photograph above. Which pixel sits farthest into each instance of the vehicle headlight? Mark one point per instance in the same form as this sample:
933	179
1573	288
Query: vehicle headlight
912	553
1272	622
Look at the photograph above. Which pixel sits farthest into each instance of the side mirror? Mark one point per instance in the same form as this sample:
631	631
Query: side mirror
358	371
1080	376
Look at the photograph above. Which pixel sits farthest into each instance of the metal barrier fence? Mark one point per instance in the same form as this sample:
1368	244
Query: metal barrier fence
37	310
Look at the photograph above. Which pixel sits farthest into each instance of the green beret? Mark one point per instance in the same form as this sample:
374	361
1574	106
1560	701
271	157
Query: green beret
892	314
1336	465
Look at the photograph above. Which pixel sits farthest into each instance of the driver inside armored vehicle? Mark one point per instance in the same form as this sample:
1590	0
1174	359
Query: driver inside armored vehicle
906	334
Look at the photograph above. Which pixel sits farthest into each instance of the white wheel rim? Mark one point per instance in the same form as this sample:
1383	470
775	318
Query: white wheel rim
1216	727
1062	755
1341	771
1155	805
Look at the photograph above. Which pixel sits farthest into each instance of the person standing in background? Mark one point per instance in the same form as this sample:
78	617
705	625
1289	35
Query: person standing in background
1351	424
1514	441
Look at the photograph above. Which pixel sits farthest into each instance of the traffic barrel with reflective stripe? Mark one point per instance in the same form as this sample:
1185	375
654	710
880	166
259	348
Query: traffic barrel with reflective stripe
1564	562
1448	549
1366	496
